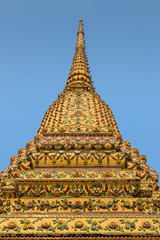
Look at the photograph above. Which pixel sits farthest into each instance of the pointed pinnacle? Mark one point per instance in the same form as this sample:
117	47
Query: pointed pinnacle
79	74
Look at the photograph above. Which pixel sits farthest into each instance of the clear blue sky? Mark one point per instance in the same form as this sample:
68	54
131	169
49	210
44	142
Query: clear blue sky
37	45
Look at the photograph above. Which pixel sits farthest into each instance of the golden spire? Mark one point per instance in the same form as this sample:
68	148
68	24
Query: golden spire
79	76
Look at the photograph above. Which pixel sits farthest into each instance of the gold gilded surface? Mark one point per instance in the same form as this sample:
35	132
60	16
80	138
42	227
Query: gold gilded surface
79	178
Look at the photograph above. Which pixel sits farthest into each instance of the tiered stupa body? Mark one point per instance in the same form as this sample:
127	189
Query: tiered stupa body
78	178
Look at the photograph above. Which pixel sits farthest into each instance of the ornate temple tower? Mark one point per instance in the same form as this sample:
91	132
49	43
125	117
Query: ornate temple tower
79	178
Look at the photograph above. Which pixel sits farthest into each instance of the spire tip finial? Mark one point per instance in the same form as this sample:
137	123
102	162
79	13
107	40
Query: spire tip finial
79	76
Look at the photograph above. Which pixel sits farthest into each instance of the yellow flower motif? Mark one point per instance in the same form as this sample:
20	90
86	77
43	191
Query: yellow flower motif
79	224
12	225
94	222
25	226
